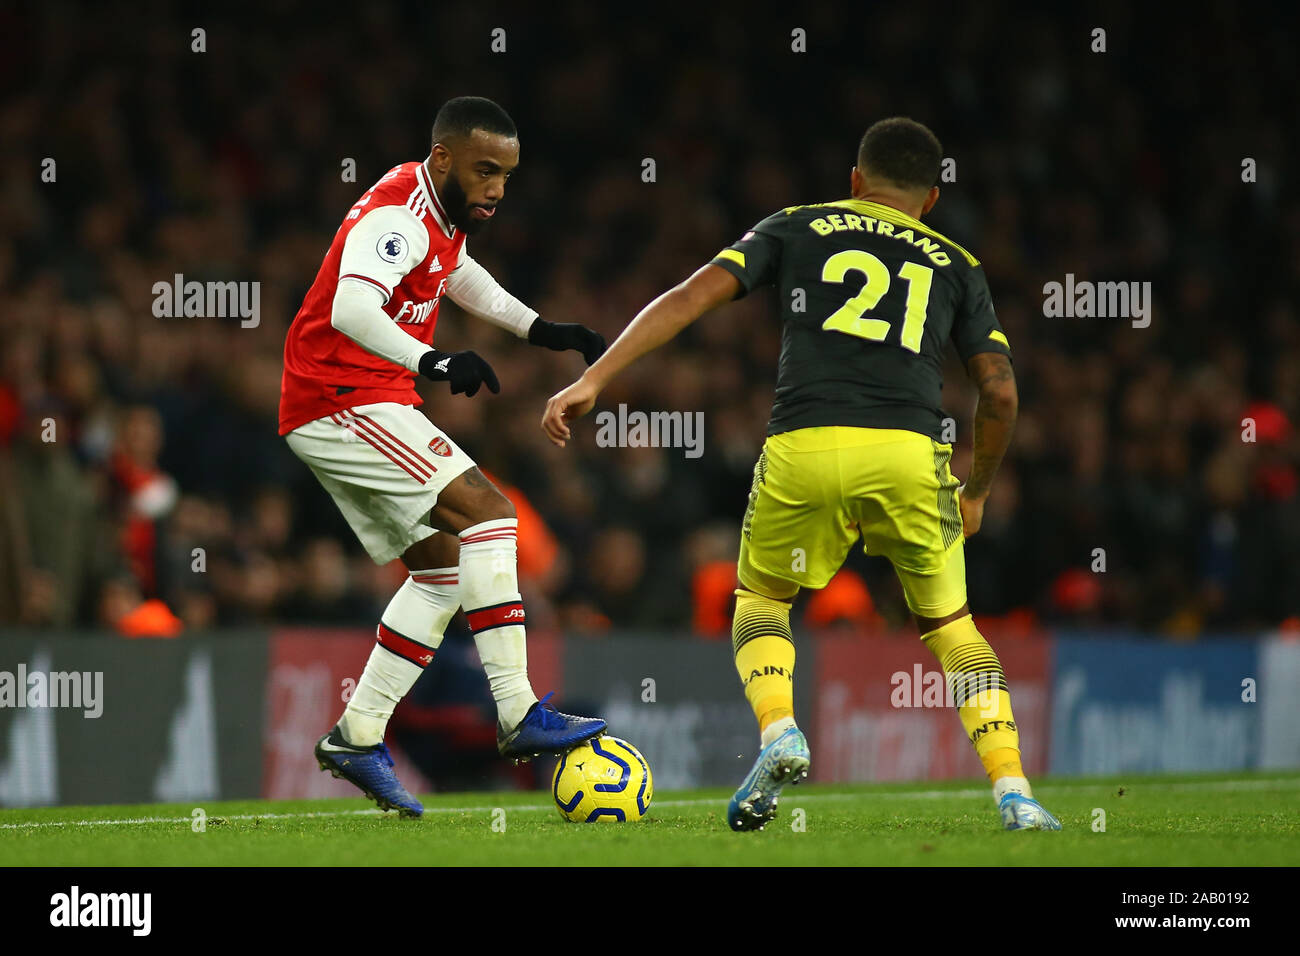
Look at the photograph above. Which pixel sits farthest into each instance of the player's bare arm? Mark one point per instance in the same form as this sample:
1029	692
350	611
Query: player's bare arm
995	420
654	325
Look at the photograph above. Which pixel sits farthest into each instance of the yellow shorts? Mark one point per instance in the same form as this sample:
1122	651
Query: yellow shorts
817	489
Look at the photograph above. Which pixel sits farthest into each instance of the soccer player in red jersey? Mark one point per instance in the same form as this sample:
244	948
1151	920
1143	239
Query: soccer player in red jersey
348	410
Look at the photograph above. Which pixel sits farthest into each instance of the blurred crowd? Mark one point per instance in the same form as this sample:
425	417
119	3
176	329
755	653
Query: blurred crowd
1152	482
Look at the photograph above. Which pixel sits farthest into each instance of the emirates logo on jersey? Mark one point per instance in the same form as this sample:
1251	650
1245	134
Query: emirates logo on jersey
415	313
440	446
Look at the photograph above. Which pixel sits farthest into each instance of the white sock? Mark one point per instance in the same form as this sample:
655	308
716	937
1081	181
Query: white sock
776	728
490	594
409	632
1005	785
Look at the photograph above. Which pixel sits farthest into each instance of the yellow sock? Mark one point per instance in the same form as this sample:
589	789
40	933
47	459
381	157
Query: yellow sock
760	638
979	689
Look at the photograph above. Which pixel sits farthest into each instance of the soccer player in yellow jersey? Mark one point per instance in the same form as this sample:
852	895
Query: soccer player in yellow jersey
869	298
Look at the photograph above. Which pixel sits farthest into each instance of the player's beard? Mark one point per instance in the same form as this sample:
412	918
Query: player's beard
459	206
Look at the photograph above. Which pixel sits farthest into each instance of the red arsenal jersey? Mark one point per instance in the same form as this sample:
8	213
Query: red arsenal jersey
397	239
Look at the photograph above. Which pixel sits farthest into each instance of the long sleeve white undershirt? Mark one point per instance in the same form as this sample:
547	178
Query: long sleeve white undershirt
472	288
358	313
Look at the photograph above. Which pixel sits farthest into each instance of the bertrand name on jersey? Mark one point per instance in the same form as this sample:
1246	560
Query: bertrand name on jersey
824	226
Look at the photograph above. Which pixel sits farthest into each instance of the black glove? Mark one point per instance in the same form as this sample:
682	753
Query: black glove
560	336
465	370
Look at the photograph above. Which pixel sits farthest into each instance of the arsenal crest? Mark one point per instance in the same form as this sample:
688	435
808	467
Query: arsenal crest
439	446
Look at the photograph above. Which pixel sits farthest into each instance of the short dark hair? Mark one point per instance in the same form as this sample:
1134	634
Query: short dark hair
901	150
461	116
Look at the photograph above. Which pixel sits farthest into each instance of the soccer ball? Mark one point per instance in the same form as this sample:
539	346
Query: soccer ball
604	778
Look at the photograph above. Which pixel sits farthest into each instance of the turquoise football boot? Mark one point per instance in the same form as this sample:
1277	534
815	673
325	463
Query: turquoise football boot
1024	813
784	760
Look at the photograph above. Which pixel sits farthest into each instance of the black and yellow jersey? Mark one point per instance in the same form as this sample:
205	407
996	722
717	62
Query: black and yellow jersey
869	297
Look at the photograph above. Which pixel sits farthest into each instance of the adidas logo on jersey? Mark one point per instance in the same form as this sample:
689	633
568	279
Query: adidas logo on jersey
435	265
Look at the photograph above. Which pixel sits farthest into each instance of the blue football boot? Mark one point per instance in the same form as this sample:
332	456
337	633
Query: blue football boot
1024	813
544	730
784	760
370	769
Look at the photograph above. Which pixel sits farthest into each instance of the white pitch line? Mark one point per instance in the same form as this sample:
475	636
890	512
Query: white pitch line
1278	784
314	814
137	820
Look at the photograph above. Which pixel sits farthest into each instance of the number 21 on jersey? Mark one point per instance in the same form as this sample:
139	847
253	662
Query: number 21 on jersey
849	318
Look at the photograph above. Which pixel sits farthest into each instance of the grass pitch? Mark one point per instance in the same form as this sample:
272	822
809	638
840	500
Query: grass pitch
1149	821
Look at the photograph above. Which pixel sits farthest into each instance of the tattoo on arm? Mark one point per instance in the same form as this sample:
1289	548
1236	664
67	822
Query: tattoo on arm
995	418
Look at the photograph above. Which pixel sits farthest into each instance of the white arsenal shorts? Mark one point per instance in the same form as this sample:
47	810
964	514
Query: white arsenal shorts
384	465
